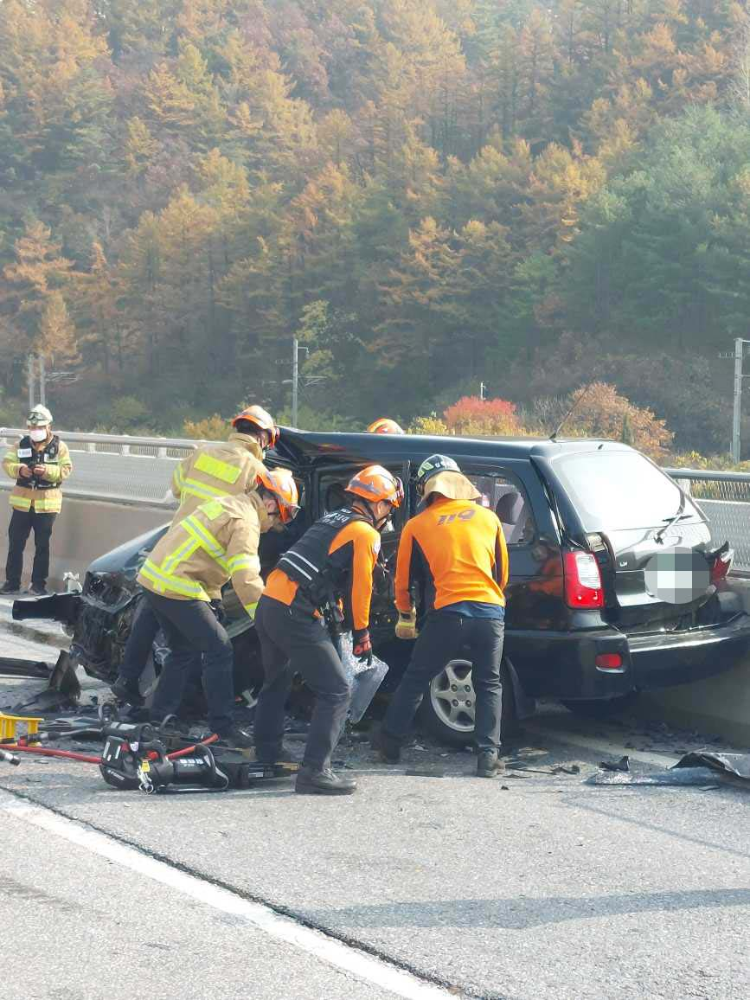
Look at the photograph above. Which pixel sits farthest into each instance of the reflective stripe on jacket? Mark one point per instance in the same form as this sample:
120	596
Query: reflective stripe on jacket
200	553
217	470
454	551
57	468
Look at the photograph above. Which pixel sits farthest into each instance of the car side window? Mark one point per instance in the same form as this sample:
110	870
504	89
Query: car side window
508	499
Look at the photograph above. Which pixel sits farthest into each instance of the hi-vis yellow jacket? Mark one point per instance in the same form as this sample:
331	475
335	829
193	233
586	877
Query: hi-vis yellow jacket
216	470
202	551
45	495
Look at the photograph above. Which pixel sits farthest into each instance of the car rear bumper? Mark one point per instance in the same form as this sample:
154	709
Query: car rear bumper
563	664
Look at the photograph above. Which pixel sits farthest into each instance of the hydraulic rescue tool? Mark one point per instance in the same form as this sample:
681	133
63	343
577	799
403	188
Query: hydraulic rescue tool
136	756
141	756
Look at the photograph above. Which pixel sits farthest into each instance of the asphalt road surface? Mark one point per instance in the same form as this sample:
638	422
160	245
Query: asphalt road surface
535	886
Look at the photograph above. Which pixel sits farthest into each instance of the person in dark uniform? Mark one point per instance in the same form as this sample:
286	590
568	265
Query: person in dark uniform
333	561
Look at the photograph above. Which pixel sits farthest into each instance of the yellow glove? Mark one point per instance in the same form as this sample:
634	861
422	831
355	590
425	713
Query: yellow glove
406	627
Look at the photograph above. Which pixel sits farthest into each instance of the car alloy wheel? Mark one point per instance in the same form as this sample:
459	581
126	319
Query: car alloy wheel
452	697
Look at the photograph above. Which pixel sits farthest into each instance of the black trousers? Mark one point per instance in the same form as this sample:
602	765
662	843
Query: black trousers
195	638
292	643
445	637
21	524
143	631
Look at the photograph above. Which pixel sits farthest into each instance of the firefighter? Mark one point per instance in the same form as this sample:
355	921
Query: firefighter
454	553
218	470
333	560
185	573
384	425
212	470
39	464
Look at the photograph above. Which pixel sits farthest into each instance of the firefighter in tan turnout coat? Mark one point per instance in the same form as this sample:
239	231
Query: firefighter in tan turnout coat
39	464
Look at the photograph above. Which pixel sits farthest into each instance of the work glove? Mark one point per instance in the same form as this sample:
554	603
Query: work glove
362	645
406	626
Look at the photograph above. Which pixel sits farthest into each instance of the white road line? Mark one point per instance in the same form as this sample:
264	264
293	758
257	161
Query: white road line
602	745
342	956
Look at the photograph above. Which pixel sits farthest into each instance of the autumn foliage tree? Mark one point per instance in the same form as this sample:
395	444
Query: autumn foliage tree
456	190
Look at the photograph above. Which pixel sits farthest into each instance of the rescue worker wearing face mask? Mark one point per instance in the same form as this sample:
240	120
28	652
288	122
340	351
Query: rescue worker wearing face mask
218	470
212	470
186	571
39	464
384	425
333	560
454	554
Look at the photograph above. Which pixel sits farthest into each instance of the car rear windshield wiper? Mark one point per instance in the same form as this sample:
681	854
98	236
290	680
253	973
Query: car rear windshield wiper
672	520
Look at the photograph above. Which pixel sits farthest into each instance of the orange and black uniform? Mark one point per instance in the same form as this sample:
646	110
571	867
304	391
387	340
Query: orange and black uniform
332	562
454	554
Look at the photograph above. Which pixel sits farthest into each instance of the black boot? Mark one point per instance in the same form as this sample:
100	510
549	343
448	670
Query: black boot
317	781
388	747
10	588
237	738
487	764
128	691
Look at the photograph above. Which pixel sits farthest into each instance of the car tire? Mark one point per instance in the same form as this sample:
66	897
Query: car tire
447	709
601	708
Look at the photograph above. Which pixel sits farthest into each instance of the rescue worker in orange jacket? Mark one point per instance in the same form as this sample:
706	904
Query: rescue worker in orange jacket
186	571
454	552
333	560
40	463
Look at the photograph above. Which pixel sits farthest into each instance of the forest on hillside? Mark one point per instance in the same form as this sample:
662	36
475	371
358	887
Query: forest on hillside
429	194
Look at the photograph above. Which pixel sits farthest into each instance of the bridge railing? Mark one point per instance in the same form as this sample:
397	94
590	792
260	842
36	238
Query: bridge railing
724	497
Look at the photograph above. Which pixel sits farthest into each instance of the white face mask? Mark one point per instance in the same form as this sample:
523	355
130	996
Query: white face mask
38	434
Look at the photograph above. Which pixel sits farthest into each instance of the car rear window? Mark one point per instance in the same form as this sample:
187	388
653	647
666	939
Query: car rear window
618	489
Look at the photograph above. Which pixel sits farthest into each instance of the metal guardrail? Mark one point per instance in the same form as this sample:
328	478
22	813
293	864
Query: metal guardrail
124	469
724	497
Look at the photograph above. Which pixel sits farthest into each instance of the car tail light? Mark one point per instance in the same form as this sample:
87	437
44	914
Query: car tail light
721	565
583	581
609	661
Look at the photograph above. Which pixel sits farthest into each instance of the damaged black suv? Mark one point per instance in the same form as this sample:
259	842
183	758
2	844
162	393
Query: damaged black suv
582	519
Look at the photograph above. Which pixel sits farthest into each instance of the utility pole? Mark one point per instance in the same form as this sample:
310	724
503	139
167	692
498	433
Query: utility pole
295	382
739	347
30	380
42	380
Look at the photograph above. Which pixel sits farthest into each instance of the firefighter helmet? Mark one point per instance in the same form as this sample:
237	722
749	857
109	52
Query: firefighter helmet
262	419
375	483
39	417
384	425
280	483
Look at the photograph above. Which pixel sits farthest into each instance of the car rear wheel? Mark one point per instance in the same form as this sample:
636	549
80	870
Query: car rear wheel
602	708
448	707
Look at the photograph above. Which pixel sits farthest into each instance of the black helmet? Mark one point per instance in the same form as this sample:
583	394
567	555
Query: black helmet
430	467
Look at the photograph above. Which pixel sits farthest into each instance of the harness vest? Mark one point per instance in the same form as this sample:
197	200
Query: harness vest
27	455
309	564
